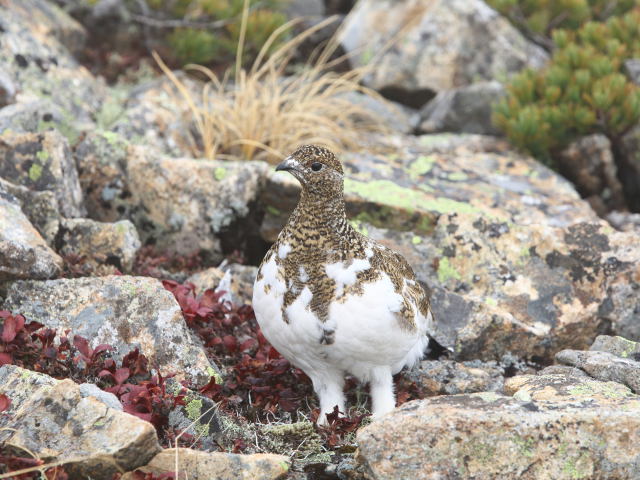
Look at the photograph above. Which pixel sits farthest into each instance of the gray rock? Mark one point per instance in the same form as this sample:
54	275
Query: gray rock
36	38
393	115
234	279
41	208
465	110
23	252
604	366
305	8
53	418
581	430
618	346
38	116
179	205
624	221
99	243
632	67
43	162
425	46
125	312
589	164
109	399
7	90
447	377
629	167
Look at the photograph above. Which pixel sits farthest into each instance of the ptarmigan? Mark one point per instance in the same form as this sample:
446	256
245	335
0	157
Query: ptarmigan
333	301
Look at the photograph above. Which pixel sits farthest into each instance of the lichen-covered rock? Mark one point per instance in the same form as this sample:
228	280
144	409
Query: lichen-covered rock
581	429
36	37
424	46
221	466
179	205
41	208
447	377
498	287
99	243
125	312
588	163
466	109
624	221
425	177
562	388
53	418
618	346
23	252
235	280
38	116
604	366
43	162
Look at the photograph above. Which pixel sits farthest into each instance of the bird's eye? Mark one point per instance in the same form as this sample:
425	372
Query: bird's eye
316	166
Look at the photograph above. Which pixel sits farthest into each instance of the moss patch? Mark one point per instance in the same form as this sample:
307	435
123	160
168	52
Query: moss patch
446	271
35	172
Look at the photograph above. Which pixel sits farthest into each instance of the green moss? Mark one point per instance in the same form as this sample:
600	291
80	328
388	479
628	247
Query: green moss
416	240
458	177
421	166
273	211
220	173
35	172
446	271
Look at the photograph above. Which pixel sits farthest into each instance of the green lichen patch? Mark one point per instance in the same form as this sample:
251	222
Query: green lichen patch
421	166
35	172
446	271
220	173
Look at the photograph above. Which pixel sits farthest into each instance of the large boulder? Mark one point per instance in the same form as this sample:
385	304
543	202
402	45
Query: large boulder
556	427
23	252
125	312
36	41
54	419
180	205
420	48
43	162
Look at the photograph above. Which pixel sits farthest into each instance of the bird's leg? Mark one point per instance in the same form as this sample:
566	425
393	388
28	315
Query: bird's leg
383	399
330	389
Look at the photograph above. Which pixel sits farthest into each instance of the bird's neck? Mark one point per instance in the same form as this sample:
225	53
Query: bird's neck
322	214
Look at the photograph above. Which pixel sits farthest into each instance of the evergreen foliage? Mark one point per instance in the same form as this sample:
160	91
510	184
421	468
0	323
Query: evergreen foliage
204	45
539	18
583	89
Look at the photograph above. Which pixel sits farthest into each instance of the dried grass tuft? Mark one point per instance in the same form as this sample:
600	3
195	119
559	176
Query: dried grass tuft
263	113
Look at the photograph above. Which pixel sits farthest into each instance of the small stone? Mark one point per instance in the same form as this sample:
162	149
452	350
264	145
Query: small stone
447	377
23	252
100	243
43	162
618	346
217	465
235	280
604	366
53	418
125	312
632	68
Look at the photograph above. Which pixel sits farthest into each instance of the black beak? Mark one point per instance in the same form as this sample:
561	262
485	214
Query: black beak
287	164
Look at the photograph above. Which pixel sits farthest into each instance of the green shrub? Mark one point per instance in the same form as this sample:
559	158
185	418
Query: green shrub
539	18
583	90
205	45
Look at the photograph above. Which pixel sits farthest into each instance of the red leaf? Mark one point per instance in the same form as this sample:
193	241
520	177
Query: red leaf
82	345
103	347
5	402
122	374
12	325
5	359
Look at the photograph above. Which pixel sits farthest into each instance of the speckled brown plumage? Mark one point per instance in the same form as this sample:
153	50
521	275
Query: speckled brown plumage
319	233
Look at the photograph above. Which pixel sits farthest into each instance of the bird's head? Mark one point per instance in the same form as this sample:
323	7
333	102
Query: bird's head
316	168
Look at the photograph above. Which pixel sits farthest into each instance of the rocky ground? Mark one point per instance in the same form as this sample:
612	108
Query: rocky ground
128	346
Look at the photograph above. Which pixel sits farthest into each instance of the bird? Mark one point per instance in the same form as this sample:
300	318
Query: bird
334	302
